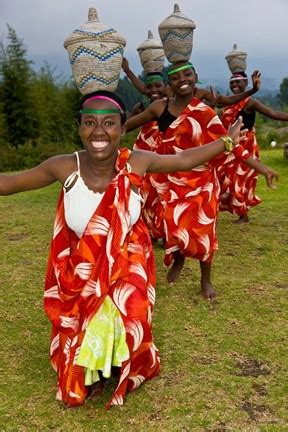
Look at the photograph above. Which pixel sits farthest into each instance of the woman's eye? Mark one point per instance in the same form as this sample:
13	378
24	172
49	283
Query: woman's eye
88	123
109	123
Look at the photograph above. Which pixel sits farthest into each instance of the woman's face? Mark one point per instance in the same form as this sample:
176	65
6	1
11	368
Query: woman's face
155	91
182	83
101	133
238	85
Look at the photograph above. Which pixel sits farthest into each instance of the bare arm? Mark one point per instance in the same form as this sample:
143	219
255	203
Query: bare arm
42	175
152	112
222	100
140	86
256	105
268	172
146	161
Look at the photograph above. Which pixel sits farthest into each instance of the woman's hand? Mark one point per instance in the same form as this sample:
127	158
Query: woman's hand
270	176
256	80
235	131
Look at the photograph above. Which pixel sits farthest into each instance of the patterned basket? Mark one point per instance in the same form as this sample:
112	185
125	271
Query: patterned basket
151	54
176	33
236	60
95	52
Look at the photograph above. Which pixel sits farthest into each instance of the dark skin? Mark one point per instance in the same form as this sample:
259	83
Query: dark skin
153	91
254	105
238	86
203	94
101	135
182	84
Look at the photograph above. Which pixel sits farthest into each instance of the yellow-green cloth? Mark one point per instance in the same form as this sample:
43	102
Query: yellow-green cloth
104	344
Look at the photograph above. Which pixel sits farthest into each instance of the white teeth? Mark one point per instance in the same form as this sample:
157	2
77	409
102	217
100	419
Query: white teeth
99	145
184	86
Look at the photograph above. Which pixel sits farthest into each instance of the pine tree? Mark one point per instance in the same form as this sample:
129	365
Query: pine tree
15	77
283	95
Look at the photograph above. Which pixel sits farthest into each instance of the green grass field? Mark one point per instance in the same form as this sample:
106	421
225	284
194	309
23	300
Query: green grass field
224	363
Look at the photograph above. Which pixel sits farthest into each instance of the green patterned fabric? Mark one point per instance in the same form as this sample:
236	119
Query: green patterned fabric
104	344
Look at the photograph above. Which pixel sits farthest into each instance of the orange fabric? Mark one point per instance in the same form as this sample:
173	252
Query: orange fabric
110	259
190	199
238	181
152	209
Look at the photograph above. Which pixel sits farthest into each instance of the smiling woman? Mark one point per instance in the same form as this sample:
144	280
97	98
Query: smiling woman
100	281
189	201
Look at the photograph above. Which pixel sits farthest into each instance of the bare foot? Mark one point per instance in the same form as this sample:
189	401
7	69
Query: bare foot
175	270
208	291
242	220
96	390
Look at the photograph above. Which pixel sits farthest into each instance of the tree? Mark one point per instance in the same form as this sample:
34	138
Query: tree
15	77
283	95
128	93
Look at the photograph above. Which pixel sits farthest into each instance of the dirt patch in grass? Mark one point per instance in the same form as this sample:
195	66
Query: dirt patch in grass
16	236
260	389
252	367
281	285
259	413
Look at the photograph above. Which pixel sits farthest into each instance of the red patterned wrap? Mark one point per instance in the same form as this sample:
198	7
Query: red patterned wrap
238	181
111	259
152	208
190	199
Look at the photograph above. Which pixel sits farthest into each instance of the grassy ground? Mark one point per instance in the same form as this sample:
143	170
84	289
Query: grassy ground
224	365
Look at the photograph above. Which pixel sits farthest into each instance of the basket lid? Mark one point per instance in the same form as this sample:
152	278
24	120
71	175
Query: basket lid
235	52
177	19
93	29
151	42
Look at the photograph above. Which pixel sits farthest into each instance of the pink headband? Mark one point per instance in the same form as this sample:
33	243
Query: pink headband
105	98
237	77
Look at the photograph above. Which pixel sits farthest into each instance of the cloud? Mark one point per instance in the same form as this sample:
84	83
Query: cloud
261	31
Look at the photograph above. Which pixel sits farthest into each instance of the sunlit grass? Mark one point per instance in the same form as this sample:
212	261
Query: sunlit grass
224	365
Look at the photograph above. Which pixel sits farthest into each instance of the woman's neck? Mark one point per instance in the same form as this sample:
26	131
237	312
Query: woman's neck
100	168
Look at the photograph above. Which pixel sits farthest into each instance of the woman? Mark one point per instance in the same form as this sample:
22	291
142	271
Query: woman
154	89
100	282
190	199
159	90
238	181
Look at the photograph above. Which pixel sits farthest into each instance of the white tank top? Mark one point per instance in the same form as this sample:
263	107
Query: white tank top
80	202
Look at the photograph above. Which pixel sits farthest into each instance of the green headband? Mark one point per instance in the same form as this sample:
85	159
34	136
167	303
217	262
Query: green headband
153	79
100	111
180	68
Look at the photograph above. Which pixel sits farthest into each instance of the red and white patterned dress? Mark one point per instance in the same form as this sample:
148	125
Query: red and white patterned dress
151	209
238	181
190	199
110	259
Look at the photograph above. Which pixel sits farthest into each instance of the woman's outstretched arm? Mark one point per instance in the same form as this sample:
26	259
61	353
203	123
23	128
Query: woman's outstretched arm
42	175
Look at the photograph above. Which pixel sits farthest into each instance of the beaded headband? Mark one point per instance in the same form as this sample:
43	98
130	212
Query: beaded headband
151	79
100	111
236	77
100	97
180	68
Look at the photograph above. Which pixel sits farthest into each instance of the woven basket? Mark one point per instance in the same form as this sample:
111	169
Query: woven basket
176	33
151	54
236	60
95	52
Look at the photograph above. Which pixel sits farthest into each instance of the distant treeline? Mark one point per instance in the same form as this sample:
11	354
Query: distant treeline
38	111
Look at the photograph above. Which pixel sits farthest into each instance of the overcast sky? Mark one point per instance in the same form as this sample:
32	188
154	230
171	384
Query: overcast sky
259	27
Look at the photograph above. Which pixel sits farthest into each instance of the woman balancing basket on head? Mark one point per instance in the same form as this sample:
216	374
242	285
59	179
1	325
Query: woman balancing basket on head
189	199
152	57
100	282
238	181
